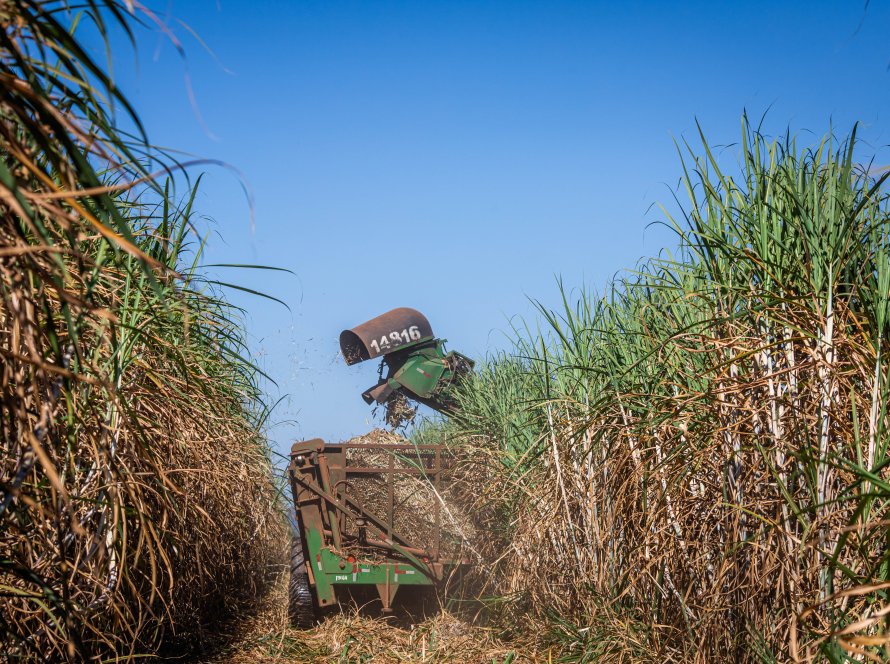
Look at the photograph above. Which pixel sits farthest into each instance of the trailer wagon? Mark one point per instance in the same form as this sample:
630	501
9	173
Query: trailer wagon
351	528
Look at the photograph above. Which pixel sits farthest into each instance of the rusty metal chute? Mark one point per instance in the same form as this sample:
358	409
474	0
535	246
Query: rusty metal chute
384	334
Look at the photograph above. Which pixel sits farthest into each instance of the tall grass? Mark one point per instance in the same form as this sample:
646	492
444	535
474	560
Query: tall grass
135	493
700	454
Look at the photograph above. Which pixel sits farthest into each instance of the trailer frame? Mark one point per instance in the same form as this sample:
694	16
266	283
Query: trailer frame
319	475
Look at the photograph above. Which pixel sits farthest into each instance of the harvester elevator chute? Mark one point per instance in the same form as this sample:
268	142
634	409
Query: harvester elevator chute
415	363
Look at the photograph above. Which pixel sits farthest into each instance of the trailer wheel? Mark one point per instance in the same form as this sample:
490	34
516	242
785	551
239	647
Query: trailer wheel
301	610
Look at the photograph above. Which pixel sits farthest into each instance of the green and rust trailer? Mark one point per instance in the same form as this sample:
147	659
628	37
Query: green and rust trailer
341	545
345	540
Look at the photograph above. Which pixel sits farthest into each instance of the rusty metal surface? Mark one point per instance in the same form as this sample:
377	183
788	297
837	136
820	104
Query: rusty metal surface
384	334
319	471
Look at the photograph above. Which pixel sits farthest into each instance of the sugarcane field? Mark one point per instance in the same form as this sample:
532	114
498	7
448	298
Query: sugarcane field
446	332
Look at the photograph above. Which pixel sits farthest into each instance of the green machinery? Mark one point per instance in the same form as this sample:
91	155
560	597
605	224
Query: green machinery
349	538
414	360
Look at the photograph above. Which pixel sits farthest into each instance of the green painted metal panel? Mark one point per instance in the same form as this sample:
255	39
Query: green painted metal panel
420	374
324	590
363	573
330	570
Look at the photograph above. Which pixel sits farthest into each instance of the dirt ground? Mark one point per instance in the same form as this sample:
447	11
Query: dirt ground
349	637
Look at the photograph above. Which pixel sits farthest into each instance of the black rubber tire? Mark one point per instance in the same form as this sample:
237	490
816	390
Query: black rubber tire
301	609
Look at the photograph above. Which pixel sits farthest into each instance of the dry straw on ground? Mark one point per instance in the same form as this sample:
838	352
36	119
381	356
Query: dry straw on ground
351	637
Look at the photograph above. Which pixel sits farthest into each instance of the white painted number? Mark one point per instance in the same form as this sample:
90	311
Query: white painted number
395	339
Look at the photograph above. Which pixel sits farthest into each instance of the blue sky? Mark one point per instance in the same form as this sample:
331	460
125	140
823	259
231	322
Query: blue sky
456	157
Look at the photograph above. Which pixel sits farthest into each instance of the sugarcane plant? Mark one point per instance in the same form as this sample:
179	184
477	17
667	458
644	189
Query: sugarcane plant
132	457
702	447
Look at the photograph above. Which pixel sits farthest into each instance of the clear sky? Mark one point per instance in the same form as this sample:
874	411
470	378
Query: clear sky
456	156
